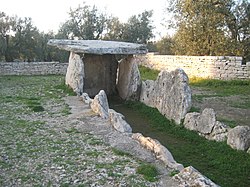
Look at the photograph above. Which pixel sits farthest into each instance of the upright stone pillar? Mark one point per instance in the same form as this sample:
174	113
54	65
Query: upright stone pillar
75	73
129	79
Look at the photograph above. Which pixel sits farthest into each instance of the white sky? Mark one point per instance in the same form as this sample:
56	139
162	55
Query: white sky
48	14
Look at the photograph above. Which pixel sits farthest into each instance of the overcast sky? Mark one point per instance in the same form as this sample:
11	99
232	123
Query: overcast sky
48	14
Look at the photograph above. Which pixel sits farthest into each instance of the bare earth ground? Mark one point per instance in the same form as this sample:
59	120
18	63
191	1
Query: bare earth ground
228	109
55	148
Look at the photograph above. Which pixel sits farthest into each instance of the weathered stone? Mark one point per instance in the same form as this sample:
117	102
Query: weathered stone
161	152
118	122
86	98
191	121
100	74
203	123
219	132
98	46
171	94
100	105
146	91
207	121
75	73
239	138
129	80
190	177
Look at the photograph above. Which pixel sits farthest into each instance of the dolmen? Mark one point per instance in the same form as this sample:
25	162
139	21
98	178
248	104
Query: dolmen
96	65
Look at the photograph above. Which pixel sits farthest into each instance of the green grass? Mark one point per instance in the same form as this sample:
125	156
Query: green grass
223	87
147	73
66	89
230	123
217	161
120	152
148	171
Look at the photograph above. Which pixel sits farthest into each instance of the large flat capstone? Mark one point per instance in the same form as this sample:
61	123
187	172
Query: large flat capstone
99	46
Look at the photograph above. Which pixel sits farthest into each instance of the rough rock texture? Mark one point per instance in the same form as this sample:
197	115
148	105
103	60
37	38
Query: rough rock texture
86	99
239	138
206	125
219	132
207	121
118	122
147	89
170	94
129	79
100	74
190	177
100	105
98	46
203	123
191	121
75	73
161	152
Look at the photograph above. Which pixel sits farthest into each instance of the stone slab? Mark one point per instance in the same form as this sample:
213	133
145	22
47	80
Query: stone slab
99	46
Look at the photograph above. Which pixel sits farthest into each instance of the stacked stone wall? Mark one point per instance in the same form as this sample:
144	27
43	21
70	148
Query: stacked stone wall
215	67
33	68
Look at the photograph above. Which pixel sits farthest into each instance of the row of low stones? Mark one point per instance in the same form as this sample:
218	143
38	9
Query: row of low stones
206	125
171	95
188	176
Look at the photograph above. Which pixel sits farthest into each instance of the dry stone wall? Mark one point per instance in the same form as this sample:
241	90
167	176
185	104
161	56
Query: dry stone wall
216	67
33	68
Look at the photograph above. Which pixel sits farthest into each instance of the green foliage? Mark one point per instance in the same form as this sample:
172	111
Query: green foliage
139	28
147	73
21	41
148	171
165	46
85	22
211	27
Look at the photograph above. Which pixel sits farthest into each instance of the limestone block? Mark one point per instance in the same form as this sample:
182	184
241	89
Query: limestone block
202	123
129	79
161	152
146	92
98	46
170	94
75	73
190	177
219	132
207	121
100	105
191	121
86	98
239	138
118	122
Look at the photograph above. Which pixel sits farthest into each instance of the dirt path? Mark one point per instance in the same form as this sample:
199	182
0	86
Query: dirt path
229	109
88	122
